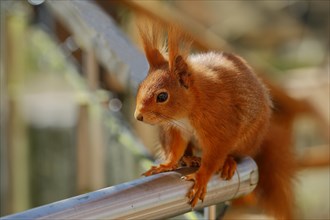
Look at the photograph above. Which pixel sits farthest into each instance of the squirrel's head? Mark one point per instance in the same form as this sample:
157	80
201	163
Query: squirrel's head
163	96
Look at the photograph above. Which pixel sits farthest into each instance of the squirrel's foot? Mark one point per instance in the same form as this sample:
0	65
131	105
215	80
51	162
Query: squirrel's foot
190	161
198	190
228	168
160	169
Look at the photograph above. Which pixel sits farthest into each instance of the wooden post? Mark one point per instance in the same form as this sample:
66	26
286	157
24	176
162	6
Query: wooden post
4	172
18	152
90	68
83	143
90	145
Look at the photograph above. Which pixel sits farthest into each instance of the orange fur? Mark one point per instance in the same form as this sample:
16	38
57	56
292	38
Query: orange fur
276	160
176	146
216	99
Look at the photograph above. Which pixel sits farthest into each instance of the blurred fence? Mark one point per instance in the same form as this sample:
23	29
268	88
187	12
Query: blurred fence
80	146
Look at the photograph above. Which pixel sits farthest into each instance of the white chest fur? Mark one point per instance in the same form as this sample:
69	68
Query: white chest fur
186	129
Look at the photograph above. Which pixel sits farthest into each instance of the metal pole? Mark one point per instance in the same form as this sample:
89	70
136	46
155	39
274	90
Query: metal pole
158	196
210	212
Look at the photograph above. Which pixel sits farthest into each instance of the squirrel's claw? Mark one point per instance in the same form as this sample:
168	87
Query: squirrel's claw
149	172
160	169
197	191
228	168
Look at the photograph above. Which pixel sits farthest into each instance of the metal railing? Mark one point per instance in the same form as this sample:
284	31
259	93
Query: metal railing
158	196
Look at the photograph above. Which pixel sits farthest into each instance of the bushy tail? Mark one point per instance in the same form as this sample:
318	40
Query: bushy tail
277	166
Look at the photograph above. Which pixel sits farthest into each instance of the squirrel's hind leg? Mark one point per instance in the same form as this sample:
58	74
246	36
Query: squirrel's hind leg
228	169
190	161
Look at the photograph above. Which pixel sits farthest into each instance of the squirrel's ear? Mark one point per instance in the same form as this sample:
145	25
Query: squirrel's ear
180	68
155	58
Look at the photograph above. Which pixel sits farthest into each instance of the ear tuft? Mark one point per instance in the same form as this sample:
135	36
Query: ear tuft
155	58
151	34
178	45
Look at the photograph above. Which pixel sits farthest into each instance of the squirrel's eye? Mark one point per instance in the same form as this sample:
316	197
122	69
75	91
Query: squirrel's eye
162	97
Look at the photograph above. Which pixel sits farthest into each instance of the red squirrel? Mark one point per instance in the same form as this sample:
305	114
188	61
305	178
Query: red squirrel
213	100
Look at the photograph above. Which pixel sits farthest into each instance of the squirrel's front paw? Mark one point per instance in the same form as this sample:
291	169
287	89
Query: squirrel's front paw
160	169
198	190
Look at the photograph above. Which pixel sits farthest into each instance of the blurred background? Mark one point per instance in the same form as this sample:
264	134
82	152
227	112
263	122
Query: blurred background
69	73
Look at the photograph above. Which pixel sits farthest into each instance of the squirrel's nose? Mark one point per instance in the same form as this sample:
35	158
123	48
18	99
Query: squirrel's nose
139	117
